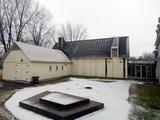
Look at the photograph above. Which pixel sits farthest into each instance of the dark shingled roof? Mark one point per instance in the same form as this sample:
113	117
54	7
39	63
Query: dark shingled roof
95	47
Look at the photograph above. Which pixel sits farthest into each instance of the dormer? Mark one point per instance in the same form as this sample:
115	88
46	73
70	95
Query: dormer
115	47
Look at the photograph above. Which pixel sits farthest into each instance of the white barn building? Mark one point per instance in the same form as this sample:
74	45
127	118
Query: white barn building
106	57
23	61
103	57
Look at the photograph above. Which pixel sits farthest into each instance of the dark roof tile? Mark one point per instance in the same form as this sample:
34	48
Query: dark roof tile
95	47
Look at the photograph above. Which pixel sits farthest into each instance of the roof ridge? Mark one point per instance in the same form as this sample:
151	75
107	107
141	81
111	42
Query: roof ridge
36	53
96	39
28	44
32	45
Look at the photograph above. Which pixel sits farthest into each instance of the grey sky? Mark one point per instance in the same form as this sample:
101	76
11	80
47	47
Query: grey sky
107	18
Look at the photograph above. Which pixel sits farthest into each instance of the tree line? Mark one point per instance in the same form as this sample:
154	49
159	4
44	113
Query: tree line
27	21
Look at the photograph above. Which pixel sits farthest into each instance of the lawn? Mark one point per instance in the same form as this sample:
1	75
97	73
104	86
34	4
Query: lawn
145	99
147	96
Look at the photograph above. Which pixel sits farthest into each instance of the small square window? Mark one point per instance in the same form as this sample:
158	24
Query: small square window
50	68
114	52
62	67
56	67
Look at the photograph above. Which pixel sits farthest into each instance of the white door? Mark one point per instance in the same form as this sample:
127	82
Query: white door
22	71
25	72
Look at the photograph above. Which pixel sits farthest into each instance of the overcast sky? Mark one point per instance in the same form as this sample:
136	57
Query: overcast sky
109	18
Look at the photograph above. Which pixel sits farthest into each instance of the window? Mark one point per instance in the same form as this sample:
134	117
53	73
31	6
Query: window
62	67
56	67
149	72
133	69
138	71
50	68
144	71
129	71
21	60
114	52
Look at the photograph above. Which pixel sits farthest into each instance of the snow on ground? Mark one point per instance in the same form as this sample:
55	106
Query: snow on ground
114	95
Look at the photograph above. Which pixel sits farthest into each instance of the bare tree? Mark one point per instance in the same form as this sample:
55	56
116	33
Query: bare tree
25	13
148	56
73	32
158	28
2	25
41	30
16	18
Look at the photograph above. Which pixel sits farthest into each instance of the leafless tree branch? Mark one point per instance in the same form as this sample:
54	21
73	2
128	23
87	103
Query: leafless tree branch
25	21
71	32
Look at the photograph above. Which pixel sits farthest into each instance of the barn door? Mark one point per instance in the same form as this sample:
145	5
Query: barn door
22	72
25	72
18	72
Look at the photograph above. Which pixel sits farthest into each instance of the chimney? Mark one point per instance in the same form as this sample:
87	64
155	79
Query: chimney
61	42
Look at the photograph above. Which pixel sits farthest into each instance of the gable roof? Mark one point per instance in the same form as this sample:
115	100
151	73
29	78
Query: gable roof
95	47
40	54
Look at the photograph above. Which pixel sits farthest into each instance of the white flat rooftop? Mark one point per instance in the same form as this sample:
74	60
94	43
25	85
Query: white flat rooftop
60	98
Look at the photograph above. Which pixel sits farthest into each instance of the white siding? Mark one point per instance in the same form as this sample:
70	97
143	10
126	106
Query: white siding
15	66
43	70
96	67
88	67
16	69
16	56
115	68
